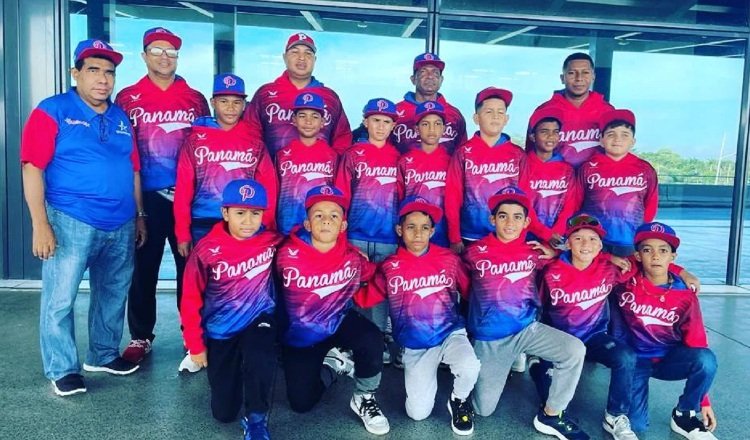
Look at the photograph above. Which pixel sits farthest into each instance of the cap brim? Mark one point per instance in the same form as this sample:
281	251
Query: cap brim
307	107
115	57
228	93
437	63
498	199
430	112
598	229
671	239
243	205
303	43
339	200
393	116
435	213
172	39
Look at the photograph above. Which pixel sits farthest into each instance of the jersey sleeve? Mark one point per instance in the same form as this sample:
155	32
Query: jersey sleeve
454	193
344	176
461	134
266	176
38	139
184	192
571	205
374	293
341	138
652	196
194	283
252	113
463	279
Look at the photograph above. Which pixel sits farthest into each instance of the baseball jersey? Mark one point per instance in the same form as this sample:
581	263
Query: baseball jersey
161	120
300	169
424	174
503	299
211	158
88	159
270	110
622	194
422	293
553	190
580	131
367	176
318	287
405	135
227	284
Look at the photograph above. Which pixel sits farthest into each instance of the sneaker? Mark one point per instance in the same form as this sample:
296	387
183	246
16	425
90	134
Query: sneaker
618	426
386	354
69	385
561	426
519	365
398	360
339	362
255	427
187	364
118	366
689	426
462	415
368	410
136	350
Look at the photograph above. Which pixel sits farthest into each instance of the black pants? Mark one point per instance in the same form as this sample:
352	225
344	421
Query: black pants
142	294
241	369
302	364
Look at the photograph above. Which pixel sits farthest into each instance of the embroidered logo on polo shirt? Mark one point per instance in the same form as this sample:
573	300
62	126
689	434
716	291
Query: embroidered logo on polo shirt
70	121
123	128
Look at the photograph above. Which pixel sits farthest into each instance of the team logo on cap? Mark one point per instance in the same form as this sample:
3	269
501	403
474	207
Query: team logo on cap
429	106
307	98
428	57
247	192
420	200
509	191
656	227
99	45
229	81
327	190
382	105
161	30
301	36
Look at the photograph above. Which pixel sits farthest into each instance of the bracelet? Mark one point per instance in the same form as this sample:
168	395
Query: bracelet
141	214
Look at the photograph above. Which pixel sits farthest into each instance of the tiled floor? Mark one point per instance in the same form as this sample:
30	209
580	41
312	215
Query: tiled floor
158	403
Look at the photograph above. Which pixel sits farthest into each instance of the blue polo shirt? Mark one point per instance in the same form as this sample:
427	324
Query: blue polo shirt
88	159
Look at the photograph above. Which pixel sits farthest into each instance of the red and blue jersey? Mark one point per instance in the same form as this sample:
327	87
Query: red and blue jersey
405	135
88	159
161	120
423	293
300	169
318	287
368	176
271	111
622	194
553	190
503	299
227	284
580	131
211	158
424	174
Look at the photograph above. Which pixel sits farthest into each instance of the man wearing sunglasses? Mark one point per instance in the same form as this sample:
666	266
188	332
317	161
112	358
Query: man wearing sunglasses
162	107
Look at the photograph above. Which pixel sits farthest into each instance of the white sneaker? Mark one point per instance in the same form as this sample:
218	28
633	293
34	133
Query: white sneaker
340	362
187	364
368	410
519	365
689	426
618	426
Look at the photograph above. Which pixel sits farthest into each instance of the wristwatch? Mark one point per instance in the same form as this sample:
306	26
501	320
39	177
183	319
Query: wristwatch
141	214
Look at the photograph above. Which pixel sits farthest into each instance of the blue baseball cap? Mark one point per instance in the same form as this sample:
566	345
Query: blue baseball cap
659	231
380	106
245	193
95	47
229	84
429	108
309	101
420	204
509	194
160	33
428	58
325	193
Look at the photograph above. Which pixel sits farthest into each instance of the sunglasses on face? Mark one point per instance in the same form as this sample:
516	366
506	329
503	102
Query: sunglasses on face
583	219
158	51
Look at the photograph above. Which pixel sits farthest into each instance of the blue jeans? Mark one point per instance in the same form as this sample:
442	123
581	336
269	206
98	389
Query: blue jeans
697	365
109	257
613	354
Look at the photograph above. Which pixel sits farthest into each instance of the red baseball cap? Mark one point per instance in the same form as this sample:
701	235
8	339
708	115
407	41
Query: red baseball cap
160	33
548	112
509	194
616	115
493	92
584	221
300	38
416	203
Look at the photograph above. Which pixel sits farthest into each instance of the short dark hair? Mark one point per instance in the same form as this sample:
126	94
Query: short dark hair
577	56
543	120
619	123
79	64
402	219
510	202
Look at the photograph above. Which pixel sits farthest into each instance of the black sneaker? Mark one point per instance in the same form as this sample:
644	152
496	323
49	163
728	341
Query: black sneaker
118	366
561	426
689	426
69	385
462	415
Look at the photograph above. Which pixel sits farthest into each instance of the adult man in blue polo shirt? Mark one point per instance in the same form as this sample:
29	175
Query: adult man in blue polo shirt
82	186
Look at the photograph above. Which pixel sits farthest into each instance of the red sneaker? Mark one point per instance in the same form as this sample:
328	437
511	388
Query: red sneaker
136	350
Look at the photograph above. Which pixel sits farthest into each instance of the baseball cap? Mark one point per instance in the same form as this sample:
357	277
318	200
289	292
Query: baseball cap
300	38
493	92
92	47
428	58
246	193
616	115
160	33
550	112
325	193
659	231
509	194
584	221
417	203
380	106
429	108
229	84
311	101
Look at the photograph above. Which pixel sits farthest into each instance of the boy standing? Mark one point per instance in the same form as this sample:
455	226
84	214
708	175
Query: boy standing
227	308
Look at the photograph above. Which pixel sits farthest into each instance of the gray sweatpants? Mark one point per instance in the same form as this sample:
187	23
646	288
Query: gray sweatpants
566	352
420	372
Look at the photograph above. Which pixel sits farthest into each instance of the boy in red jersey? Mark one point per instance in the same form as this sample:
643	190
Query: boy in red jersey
422	282
227	308
321	274
617	187
305	163
662	321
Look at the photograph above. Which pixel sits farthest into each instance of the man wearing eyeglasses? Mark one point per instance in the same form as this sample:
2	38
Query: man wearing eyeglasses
161	107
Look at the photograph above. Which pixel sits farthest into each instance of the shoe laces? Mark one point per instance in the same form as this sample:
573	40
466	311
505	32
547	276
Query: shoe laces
464	410
621	426
692	422
370	407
